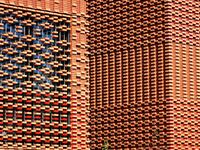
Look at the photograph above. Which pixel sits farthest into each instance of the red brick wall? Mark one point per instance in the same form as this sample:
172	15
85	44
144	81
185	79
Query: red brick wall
129	53
62	6
144	74
79	83
185	71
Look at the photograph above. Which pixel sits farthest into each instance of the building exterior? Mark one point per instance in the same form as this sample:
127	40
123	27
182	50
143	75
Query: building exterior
44	78
144	74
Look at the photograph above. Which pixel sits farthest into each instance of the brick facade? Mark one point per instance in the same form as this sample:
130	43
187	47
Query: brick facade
44	75
144	69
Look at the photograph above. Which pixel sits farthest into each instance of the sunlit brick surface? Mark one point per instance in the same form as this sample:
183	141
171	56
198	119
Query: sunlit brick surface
186	72
61	6
144	84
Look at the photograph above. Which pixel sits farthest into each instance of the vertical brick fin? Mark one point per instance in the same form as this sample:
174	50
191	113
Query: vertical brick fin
57	5
48	5
168	52
39	4
79	78
98	80
67	6
112	83
105	89
92	83
78	6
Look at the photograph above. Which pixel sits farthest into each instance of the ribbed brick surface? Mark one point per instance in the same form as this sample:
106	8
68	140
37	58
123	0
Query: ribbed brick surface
43	75
143	74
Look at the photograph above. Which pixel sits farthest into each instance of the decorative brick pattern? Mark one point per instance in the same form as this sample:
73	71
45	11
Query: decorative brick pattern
185	71
35	51
61	6
35	79
79	77
44	78
144	74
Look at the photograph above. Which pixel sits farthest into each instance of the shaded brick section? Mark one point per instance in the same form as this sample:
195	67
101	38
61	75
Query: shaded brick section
144	74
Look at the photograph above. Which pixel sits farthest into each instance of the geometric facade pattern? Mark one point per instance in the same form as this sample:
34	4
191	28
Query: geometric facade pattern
43	75
144	74
35	79
35	51
185	71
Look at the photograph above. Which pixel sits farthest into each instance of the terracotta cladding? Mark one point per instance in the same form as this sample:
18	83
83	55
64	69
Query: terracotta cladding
144	74
44	75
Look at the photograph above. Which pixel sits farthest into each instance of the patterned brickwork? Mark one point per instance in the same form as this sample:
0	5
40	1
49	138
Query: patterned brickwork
185	72
144	74
127	82
79	77
43	75
61	6
35	79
